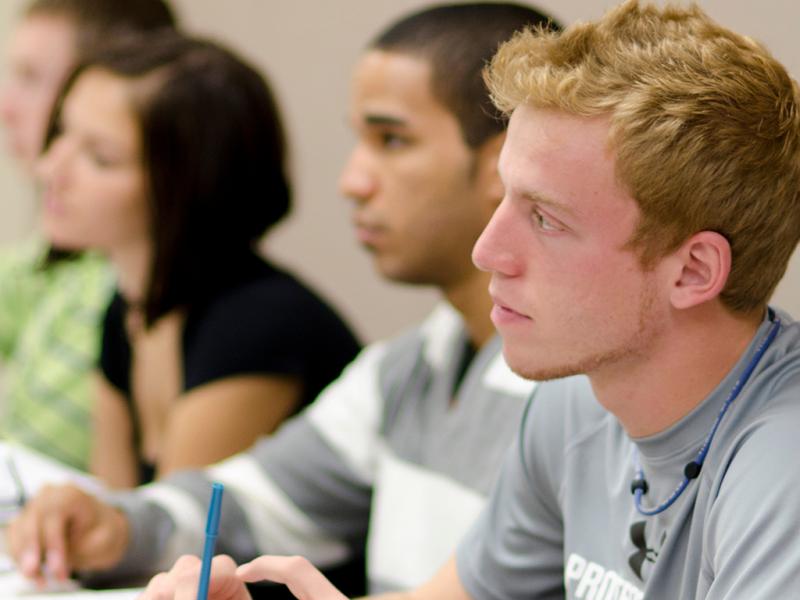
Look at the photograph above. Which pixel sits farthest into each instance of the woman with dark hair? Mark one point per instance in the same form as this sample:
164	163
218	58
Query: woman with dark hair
50	318
167	155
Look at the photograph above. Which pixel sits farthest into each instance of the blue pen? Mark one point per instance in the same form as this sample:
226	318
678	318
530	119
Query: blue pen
212	527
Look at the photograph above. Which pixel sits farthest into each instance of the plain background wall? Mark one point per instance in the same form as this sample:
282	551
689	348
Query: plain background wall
307	49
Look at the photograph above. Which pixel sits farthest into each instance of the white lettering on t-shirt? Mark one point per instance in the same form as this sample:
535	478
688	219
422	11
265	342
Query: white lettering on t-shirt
588	580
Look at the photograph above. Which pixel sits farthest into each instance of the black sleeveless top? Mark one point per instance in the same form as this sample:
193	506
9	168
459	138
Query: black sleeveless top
263	322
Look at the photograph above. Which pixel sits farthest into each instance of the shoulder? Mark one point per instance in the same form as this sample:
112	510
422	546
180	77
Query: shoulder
268	304
751	499
87	269
768	403
267	322
80	285
21	267
767	429
271	294
781	363
26	255
262	288
86	284
758	439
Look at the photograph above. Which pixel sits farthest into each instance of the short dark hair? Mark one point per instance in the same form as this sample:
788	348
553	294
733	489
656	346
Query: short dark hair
458	40
213	152
97	21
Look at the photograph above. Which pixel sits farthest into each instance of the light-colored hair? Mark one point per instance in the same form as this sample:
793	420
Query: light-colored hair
704	126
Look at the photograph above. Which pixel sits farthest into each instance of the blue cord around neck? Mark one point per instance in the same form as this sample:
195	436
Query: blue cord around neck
692	469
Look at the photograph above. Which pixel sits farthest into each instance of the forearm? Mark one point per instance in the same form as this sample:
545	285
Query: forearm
232	412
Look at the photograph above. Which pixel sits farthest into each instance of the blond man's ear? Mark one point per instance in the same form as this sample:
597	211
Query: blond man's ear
703	263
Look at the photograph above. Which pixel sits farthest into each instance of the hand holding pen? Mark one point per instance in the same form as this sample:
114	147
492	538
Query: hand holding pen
218	578
227	582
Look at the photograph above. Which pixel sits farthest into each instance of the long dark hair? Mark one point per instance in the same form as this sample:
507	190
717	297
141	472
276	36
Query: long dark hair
213	151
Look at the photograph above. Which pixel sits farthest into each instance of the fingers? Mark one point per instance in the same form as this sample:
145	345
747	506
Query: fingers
186	577
53	535
226	582
25	542
164	586
295	572
159	587
22	545
182	581
223	584
52	528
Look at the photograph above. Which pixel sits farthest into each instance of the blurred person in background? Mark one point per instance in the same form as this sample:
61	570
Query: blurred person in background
166	155
50	318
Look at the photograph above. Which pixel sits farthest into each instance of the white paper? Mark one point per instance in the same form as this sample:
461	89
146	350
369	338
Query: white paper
13	585
36	470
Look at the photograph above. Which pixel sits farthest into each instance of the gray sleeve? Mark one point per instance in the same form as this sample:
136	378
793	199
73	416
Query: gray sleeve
150	527
514	550
753	531
155	541
319	483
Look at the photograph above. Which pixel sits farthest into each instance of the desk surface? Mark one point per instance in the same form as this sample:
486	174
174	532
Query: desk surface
35	471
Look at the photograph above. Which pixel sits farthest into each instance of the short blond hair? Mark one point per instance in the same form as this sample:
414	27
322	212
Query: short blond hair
704	126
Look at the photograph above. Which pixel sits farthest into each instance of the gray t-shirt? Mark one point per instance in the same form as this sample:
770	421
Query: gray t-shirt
562	521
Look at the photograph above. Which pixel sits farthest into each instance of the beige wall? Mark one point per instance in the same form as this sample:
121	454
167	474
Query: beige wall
307	48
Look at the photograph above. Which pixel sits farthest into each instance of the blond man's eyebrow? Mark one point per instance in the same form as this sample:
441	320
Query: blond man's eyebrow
546	202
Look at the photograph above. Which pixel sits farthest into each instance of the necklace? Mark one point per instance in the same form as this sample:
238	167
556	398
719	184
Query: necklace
692	469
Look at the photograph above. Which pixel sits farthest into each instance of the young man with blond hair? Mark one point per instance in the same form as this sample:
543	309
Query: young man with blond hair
652	175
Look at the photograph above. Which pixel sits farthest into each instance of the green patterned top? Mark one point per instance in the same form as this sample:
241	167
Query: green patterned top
50	331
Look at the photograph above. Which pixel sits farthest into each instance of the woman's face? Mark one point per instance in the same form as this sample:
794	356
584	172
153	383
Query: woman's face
40	53
94	188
